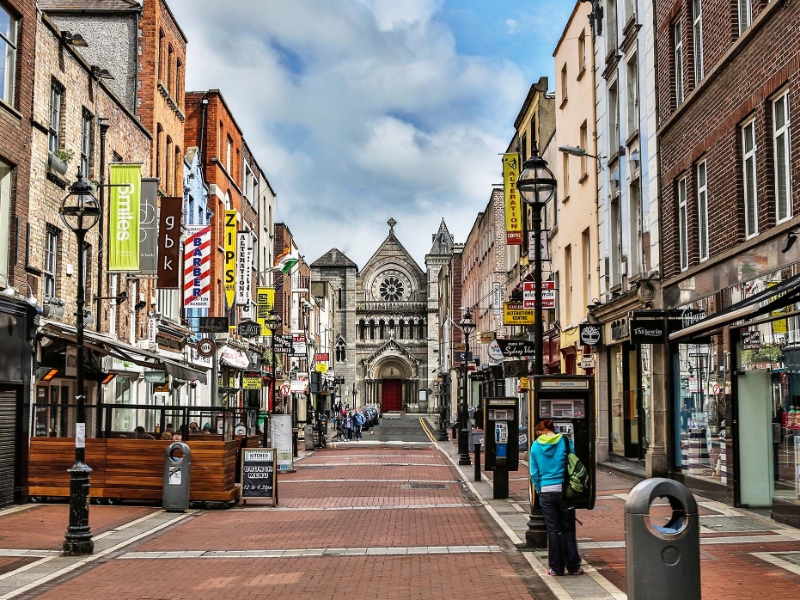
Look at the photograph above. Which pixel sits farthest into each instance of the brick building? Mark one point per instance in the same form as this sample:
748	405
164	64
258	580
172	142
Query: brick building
729	80
449	335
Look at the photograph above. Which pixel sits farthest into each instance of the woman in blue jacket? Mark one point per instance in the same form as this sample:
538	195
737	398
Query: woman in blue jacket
548	461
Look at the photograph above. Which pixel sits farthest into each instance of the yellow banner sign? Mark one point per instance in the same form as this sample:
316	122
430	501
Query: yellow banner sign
322	367
513	206
230	256
514	314
251	383
265	301
523	383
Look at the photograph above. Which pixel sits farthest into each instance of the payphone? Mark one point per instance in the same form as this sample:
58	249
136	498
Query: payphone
501	420
569	401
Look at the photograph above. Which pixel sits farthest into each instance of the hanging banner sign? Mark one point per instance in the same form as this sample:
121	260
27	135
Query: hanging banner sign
497	298
298	345
197	267
513	203
265	301
123	217
516	348
251	380
515	314
148	227
230	256
548	294
282	344
169	238
244	271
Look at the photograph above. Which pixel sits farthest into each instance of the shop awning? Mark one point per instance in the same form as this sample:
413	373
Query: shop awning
113	347
773	298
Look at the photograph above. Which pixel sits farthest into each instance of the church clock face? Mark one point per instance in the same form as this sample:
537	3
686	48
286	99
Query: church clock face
391	286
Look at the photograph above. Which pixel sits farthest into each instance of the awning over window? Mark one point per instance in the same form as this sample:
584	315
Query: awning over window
773	298
111	347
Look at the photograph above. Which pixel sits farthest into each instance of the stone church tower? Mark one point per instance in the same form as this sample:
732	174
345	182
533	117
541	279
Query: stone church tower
386	320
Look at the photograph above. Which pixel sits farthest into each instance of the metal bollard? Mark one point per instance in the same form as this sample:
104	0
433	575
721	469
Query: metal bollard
175	493
477	461
662	562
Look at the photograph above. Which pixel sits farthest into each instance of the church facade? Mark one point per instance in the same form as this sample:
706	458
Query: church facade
386	321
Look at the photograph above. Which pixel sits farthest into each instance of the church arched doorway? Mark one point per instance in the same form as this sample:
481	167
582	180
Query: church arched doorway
394	383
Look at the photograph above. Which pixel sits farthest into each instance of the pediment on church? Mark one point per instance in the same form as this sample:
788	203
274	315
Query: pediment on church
392	347
392	274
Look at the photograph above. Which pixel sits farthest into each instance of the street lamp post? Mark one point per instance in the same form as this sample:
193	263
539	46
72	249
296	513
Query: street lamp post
80	212
467	327
536	184
273	322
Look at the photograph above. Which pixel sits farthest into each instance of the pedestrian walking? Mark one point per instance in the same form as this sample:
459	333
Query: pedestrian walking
348	427
359	425
548	464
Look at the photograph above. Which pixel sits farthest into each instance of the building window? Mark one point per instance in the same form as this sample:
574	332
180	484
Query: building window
524	148
564	94
586	242
749	172
630	10
341	351
54	132
179	83
683	225
159	134
582	52
745	15
616	242
86	142
635	250
568	299
584	140
565	167
632	68
87	270
177	178
50	271
170	80
611	26
677	40
613	119
228	149
702	210
5	218
8	50
697	40
161	54
783	180
168	183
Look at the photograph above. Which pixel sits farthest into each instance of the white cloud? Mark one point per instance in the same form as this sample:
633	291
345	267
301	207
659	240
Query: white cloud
357	110
511	26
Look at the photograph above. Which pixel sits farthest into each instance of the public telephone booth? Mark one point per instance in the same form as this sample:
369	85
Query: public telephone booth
569	401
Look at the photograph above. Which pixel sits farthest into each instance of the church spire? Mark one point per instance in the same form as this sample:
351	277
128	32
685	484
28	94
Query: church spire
442	240
391	223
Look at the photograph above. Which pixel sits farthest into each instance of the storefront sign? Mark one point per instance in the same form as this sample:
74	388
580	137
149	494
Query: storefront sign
206	347
322	357
197	267
751	340
230	256
516	348
513	204
515	314
152	330
265	301
251	380
123	217
515	368
148	227
298	345
233	357
155	377
590	334
169	238
497	298
619	329
298	386
548	294
322	367
249	329
213	324
244	267
484	337
282	344
647	331
587	363
524	383
495	353
258	475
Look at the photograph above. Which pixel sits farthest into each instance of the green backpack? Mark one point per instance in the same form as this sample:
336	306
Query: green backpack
576	477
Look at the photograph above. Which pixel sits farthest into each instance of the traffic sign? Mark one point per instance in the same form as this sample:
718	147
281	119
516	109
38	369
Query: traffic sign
548	294
285	389
206	347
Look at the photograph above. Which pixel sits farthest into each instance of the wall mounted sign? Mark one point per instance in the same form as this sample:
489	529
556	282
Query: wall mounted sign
230	256
213	324
265	301
156	377
548	294
516	348
123	217
647	331
282	344
197	267
590	334
513	203
206	347
148	227
244	268
515	314
249	329
169	239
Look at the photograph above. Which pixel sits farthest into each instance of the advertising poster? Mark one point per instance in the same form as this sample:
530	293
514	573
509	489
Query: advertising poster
512	200
265	300
230	256
280	435
244	271
169	240
197	267
123	217
148	227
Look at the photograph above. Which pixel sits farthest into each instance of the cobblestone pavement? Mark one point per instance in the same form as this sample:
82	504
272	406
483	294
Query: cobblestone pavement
377	521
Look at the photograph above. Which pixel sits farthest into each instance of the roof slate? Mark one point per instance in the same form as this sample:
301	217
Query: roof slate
333	258
91	5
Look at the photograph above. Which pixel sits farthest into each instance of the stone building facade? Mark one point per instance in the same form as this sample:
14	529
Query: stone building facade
385	321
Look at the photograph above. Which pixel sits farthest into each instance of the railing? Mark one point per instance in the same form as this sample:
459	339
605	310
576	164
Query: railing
372	306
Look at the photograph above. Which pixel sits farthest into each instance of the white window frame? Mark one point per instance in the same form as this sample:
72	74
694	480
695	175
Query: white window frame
56	96
228	152
50	267
697	40
702	210
614	141
677	42
683	225
584	141
86	142
9	58
781	137
750	204
632	97
745	15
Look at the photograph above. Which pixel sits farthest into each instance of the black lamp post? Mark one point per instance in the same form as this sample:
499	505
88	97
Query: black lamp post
80	212
467	325
536	184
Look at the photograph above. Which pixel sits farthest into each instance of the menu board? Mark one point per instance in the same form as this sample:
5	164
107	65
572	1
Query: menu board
259	476
280	435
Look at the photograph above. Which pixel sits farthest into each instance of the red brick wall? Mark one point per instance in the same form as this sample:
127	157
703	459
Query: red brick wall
15	140
707	125
283	296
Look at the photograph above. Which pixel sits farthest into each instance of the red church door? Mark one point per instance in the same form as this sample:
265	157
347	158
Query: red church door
392	396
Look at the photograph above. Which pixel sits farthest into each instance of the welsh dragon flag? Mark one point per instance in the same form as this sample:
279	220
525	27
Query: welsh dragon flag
285	261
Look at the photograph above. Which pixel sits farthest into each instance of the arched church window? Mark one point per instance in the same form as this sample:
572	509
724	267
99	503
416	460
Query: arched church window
422	329
411	329
371	329
341	351
383	329
402	334
391	326
362	329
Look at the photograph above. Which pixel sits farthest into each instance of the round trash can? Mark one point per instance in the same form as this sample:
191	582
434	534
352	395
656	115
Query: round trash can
175	492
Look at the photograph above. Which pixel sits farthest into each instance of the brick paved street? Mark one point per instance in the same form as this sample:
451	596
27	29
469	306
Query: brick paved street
377	521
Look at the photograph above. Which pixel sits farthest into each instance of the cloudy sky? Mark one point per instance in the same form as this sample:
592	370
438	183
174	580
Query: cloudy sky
361	110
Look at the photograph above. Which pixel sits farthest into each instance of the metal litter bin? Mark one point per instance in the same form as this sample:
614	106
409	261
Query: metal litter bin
662	562
475	437
308	434
175	494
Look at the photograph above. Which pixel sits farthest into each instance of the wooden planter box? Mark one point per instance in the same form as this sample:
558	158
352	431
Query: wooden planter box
130	469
